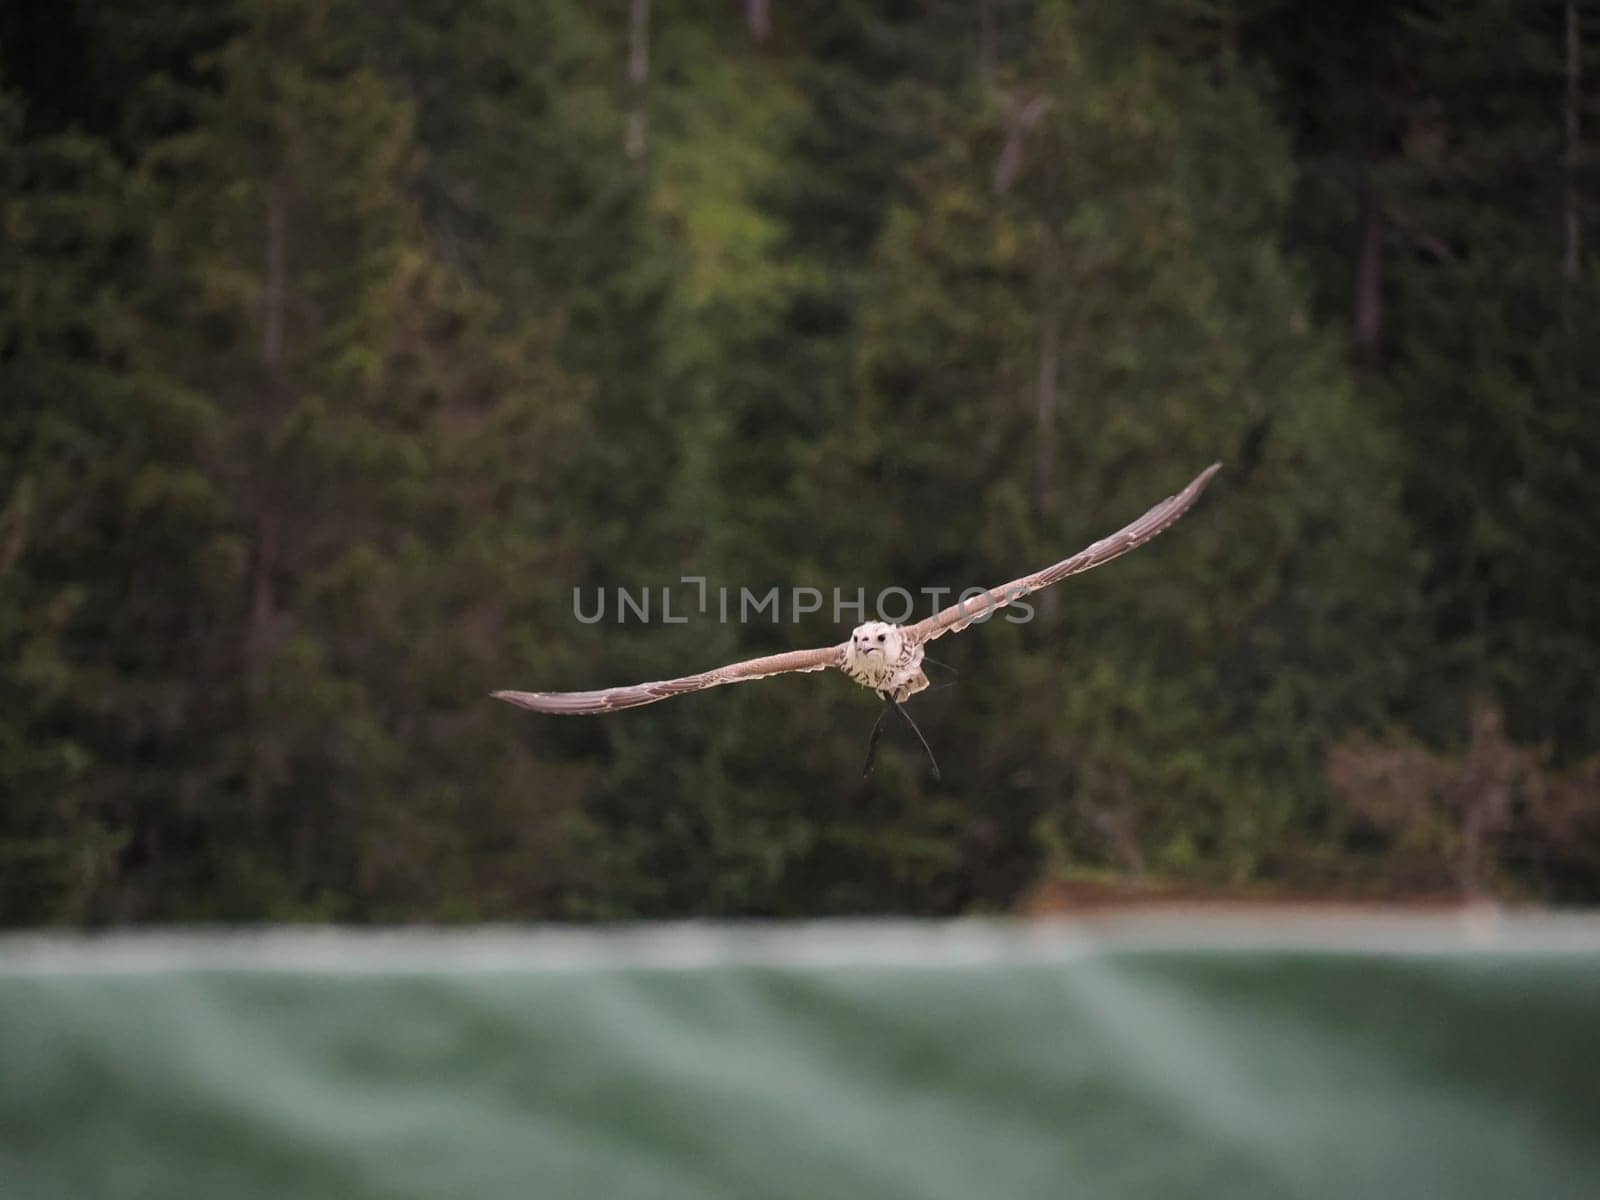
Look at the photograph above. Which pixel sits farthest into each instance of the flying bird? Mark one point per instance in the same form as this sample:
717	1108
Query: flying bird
879	655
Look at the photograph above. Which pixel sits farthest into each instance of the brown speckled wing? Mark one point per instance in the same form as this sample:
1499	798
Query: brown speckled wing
611	699
958	616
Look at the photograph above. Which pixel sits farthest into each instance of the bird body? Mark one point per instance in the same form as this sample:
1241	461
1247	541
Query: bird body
884	657
880	656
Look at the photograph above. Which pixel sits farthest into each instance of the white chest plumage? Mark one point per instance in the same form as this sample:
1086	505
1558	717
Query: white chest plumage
881	657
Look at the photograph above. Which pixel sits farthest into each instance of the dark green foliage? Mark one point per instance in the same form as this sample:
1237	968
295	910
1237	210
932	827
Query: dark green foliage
79	480
1171	713
340	342
1497	364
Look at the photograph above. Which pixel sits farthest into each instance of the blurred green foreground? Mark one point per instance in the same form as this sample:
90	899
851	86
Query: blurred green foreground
1155	1057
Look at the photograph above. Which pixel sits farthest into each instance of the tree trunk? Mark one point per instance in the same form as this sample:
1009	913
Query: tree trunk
1367	319
1049	376
272	295
261	615
988	46
638	74
263	564
268	525
1047	389
758	19
1570	261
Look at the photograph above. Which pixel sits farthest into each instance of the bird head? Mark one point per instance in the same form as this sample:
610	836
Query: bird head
875	642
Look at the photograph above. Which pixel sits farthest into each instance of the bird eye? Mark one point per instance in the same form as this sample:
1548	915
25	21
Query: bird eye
880	637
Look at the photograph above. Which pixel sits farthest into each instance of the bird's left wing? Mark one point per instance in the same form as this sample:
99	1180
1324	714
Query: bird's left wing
963	613
611	699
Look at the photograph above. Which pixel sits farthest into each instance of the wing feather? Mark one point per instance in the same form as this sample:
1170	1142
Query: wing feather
961	614
611	699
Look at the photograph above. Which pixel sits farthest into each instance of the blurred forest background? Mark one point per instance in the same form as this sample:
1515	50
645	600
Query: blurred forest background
340	340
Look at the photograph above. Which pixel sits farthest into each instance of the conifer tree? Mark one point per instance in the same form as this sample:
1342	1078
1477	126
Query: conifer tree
1080	237
104	522
377	453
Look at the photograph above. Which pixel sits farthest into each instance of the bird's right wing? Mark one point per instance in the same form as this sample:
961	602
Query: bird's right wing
611	699
963	613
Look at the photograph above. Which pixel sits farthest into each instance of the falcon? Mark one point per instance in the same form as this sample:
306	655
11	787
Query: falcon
884	657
